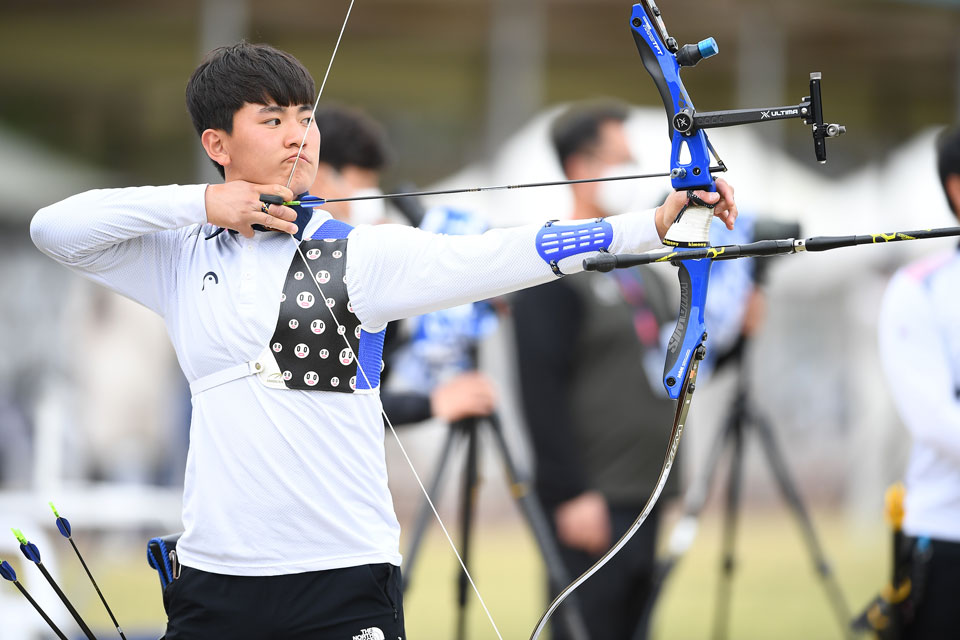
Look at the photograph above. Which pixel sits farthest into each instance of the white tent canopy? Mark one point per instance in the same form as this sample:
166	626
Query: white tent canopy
32	176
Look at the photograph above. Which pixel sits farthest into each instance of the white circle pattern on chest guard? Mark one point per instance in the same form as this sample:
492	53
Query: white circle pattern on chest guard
305	299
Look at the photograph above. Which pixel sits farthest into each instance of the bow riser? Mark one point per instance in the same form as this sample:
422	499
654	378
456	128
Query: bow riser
690	332
689	169
689	154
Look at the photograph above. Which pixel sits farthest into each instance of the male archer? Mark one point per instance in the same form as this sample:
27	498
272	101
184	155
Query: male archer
289	524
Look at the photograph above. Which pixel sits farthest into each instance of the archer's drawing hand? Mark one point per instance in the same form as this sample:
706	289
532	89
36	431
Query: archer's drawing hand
464	396
236	205
584	523
725	207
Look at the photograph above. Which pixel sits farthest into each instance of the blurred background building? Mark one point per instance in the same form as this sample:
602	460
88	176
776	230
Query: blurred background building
92	96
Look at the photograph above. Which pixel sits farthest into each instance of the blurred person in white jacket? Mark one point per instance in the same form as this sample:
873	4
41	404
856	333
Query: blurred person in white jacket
919	331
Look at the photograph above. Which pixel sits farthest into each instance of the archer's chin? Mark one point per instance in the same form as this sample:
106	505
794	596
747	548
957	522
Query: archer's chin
302	179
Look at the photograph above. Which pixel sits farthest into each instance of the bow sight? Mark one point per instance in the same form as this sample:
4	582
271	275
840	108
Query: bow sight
663	58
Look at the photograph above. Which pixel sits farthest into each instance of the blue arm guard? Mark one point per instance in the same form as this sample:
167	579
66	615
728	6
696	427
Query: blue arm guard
558	241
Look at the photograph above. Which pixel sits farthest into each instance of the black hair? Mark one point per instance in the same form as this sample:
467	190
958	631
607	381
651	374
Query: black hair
229	77
948	159
577	130
349	137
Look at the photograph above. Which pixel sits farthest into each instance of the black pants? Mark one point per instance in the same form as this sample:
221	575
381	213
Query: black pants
613	600
938	613
355	603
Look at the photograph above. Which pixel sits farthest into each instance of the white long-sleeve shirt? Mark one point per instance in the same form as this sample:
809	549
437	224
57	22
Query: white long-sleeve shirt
919	330
282	481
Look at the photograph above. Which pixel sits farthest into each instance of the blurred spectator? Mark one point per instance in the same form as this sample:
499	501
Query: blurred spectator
920	352
33	349
598	422
15	435
353	153
132	403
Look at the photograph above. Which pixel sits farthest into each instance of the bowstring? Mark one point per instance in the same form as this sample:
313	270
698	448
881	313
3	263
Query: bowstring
342	331
323	84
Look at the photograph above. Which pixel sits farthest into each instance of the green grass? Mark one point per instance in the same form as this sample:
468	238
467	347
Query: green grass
775	594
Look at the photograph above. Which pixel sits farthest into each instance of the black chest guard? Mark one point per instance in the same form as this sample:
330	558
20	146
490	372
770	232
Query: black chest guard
309	349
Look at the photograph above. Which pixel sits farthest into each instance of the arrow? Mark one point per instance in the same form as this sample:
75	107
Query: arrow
32	554
64	526
7	572
316	201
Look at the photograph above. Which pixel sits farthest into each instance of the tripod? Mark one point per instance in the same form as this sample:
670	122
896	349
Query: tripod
742	420
522	491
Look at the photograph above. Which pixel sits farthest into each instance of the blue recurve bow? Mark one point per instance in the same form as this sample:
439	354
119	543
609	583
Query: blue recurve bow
690	170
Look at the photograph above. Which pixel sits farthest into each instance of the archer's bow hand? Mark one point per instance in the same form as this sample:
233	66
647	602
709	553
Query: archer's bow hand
236	205
725	207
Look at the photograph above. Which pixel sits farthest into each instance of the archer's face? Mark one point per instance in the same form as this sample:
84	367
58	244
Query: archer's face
263	145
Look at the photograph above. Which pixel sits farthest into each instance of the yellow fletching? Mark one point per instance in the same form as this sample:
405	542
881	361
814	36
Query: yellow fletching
894	505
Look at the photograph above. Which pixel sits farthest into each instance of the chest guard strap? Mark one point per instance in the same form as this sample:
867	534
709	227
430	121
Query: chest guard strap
308	351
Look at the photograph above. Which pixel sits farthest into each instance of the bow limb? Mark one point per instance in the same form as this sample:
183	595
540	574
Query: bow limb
683	406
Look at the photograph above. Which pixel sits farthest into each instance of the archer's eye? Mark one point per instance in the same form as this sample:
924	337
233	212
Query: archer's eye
307	121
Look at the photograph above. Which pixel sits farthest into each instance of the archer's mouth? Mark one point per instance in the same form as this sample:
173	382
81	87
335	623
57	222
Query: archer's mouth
294	159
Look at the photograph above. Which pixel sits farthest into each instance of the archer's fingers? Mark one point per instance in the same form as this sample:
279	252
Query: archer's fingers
284	213
727	206
276	190
710	197
280	218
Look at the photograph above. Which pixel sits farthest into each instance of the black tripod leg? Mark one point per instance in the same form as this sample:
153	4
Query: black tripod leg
792	496
523	492
722	610
423	516
467	504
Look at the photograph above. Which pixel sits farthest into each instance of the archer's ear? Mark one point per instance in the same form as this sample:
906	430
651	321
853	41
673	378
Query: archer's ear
214	142
953	192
